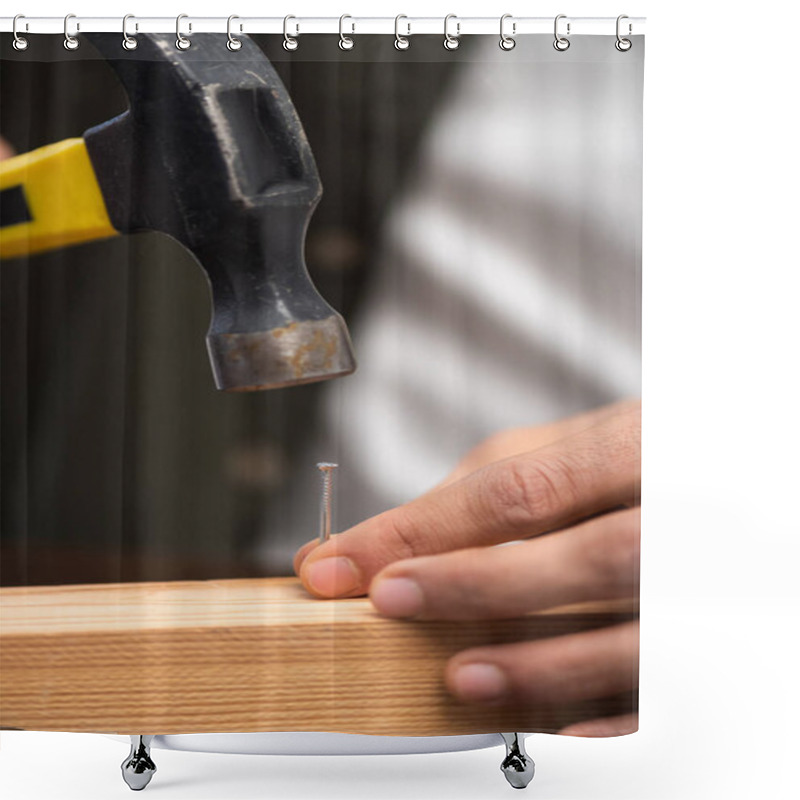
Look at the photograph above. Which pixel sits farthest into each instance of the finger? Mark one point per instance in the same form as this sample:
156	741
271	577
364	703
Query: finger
524	440
610	726
564	669
515	441
301	554
596	560
593	471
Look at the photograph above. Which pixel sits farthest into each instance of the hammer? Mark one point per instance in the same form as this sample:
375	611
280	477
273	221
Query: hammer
212	153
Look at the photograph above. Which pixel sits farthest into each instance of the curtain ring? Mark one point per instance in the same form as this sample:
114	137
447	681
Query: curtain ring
561	43
346	42
507	42
290	42
129	42
20	42
181	42
401	42
233	44
70	42
623	45
451	42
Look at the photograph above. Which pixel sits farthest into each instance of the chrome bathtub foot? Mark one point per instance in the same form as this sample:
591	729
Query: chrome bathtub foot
138	768
517	766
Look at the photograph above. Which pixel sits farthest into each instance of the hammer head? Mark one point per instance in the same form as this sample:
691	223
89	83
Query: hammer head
212	153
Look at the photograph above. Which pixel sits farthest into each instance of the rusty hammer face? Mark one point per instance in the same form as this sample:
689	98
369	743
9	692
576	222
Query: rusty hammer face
212	153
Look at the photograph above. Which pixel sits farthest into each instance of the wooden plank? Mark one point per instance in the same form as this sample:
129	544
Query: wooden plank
253	655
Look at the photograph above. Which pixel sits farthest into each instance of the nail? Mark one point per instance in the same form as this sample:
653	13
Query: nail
480	683
331	577
326	500
397	597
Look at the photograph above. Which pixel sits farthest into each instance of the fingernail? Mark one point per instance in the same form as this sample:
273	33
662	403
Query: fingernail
397	597
332	577
480	683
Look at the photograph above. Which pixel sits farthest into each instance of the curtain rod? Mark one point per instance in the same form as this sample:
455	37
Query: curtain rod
603	26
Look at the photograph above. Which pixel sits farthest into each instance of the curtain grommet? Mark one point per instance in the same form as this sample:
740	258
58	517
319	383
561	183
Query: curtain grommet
129	42
451	42
507	42
233	44
290	43
70	42
401	42
561	43
346	42
181	42
622	44
20	43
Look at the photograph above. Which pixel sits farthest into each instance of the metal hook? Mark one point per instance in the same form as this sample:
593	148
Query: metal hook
561	43
70	42
20	42
451	42
233	44
129	42
289	42
507	42
401	42
623	45
181	42
346	42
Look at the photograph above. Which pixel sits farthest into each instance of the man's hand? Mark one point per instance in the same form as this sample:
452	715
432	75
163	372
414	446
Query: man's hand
578	481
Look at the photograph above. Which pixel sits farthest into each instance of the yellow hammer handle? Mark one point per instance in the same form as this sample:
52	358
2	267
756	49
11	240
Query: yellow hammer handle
50	198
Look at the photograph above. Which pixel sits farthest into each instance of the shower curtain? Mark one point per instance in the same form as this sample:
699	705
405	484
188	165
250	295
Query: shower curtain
479	231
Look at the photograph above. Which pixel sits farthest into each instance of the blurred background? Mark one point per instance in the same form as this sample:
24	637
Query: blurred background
480	231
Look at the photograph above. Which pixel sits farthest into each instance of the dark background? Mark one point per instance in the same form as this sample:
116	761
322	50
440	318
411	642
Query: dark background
120	461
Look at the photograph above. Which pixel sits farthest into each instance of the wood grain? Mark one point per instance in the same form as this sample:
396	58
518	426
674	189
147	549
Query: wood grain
253	655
